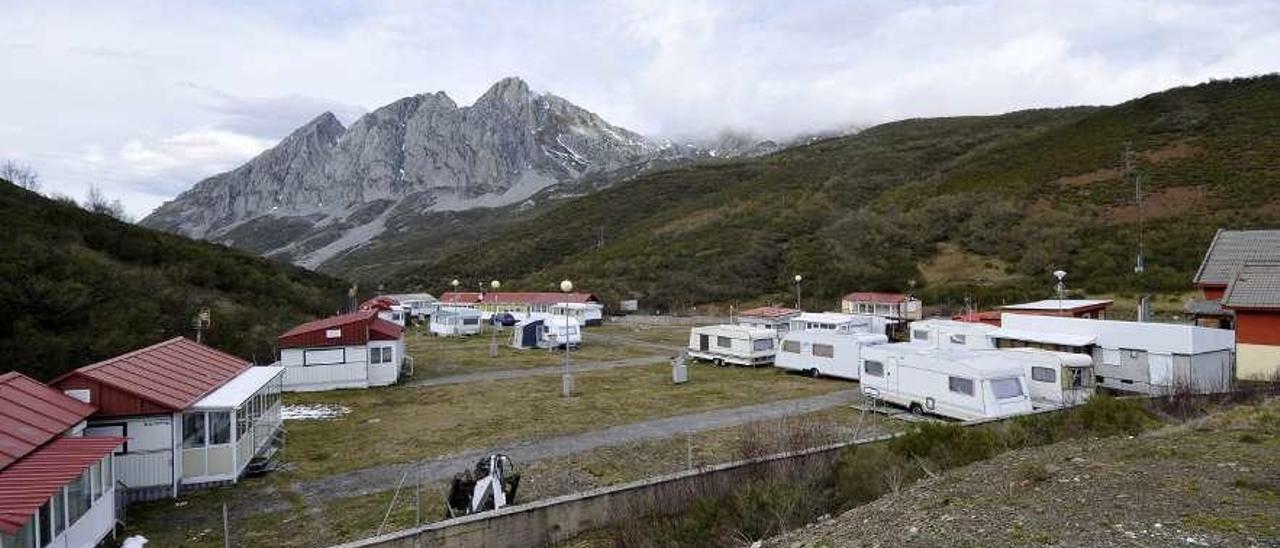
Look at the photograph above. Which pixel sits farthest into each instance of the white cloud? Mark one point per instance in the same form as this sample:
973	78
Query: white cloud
144	98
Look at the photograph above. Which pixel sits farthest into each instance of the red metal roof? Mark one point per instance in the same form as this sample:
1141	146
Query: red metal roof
876	297
516	297
28	483
379	303
770	312
173	374
32	414
354	328
990	317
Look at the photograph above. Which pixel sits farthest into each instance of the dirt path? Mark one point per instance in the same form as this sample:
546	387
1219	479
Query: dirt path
506	374
382	478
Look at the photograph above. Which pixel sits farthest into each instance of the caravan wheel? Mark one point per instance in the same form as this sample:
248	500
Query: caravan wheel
813	372
917	410
719	362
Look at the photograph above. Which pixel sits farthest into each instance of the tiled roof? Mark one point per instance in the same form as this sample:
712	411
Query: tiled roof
28	483
1230	249
1256	285
32	414
175	373
875	297
770	312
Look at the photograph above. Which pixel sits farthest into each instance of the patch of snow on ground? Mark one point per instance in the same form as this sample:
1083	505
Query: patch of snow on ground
136	541
318	411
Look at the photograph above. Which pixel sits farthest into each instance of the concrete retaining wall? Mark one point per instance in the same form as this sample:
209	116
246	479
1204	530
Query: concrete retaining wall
558	519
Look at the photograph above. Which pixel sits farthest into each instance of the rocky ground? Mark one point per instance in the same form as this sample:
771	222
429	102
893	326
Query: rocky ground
1213	481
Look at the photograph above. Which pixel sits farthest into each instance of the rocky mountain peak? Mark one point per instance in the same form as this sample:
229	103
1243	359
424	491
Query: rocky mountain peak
510	91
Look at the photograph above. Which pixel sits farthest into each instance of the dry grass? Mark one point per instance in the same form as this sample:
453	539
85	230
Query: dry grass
415	423
954	265
442	356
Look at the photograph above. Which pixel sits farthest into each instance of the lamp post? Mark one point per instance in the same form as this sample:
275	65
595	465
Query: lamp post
798	279
1061	287
567	380
493	342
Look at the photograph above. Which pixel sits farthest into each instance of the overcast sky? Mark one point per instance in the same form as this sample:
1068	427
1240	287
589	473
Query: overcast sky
146	98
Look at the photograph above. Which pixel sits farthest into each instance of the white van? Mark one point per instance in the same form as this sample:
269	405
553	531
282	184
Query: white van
956	383
825	352
734	344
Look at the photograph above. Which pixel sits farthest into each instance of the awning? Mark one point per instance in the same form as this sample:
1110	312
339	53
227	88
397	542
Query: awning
1065	339
28	483
239	389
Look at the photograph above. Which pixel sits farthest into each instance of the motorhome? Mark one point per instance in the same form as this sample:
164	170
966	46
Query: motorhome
732	344
825	353
956	383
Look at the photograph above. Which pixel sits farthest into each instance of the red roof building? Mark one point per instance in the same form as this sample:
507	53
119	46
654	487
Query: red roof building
351	329
989	317
769	312
894	306
162	378
44	462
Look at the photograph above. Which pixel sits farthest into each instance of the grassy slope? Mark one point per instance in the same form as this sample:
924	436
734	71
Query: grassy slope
76	287
865	211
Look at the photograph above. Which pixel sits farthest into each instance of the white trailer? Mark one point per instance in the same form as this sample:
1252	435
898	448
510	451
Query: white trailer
452	322
735	344
936	333
1055	379
825	353
558	330
956	383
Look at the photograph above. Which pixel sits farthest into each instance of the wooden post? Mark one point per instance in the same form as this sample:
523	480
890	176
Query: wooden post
226	529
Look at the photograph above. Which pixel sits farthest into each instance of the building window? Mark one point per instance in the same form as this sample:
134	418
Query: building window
920	334
95	479
59	512
219	428
78	497
724	342
824	351
193	431
380	355
46	524
761	345
960	385
791	346
1006	388
873	368
1043	374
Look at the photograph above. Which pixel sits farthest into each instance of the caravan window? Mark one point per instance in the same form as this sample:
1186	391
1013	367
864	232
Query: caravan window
1006	388
920	334
960	385
1043	374
724	342
958	339
873	368
824	350
791	346
760	345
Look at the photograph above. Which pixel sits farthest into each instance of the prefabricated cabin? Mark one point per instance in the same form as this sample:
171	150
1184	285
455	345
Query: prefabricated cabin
732	344
824	352
192	416
1146	358
455	322
956	383
355	350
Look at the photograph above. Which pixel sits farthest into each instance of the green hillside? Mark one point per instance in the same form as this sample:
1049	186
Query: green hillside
76	287
987	206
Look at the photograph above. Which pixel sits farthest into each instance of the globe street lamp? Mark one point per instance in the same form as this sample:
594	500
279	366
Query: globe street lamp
493	342
567	381
1062	287
798	279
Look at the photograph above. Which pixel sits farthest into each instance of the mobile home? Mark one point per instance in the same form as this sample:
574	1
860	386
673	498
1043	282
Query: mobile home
825	353
1146	358
192	416
732	344
455	322
956	383
355	350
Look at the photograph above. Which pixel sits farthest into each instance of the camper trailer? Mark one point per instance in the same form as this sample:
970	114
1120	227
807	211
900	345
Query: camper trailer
956	383
825	353
1055	379
937	333
557	330
735	344
586	314
454	322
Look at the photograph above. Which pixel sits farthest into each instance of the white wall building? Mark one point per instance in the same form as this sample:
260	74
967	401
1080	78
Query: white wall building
355	350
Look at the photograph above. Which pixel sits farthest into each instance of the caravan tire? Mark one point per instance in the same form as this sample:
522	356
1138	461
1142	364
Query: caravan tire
813	372
719	362
917	410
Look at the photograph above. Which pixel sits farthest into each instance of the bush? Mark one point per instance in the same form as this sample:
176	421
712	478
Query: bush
866	472
947	444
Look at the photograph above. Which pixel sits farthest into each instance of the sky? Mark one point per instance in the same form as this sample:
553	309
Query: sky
145	98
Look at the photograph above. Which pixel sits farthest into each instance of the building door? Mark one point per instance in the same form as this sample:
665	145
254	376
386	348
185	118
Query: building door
704	343
1161	372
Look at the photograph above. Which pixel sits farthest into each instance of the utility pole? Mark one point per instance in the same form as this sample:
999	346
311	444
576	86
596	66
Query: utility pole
1140	267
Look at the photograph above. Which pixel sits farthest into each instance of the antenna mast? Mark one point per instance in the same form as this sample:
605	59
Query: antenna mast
1140	267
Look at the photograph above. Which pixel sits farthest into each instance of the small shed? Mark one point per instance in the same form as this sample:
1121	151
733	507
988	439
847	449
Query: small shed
354	350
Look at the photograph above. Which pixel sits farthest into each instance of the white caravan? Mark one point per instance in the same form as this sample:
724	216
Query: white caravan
556	330
1055	379
956	383
825	353
451	322
936	333
734	344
